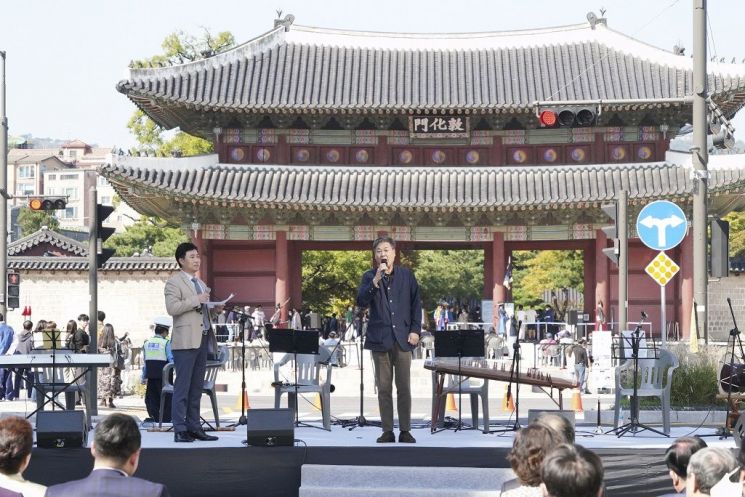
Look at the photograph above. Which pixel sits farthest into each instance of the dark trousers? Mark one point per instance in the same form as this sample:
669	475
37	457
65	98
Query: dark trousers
152	400
6	380
394	363
29	382
191	365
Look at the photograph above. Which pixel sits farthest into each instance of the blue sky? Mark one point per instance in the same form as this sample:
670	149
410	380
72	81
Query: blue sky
65	57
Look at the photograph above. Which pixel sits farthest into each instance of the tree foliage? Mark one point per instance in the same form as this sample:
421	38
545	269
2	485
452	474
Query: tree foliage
146	235
452	275
32	221
535	271
178	47
736	233
331	278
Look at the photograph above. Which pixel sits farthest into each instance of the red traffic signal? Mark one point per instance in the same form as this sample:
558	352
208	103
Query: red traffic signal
47	203
568	117
14	279
547	118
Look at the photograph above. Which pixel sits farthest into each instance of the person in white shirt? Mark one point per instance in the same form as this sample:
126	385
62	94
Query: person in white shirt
16	442
259	317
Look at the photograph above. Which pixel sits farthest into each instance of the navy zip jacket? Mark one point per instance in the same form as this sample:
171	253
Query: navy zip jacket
393	317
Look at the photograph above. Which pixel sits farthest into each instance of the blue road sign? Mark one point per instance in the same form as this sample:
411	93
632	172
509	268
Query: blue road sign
661	225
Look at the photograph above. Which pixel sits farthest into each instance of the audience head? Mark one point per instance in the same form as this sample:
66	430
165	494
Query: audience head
107	336
116	443
41	325
572	471
72	326
16	442
706	468
677	457
101	316
529	448
83	318
27	325
562	427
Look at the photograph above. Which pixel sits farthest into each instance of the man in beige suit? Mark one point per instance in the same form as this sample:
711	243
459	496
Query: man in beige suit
186	300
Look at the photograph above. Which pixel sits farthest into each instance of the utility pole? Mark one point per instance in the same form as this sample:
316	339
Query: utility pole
700	161
3	190
93	292
623	261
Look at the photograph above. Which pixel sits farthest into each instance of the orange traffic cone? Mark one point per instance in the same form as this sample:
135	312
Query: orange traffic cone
577	401
451	403
508	403
245	401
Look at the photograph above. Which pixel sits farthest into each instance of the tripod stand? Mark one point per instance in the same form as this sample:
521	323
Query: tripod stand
732	372
514	378
360	420
242	318
634	426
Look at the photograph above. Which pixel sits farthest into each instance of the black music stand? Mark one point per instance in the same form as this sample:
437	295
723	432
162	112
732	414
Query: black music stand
460	344
294	342
733	370
634	426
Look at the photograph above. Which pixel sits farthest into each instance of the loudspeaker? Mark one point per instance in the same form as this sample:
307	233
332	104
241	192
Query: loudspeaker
534	413
58	429
270	427
571	318
719	248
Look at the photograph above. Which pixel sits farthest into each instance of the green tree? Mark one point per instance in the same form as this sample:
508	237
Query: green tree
537	270
736	233
178	48
147	234
32	221
331	278
449	274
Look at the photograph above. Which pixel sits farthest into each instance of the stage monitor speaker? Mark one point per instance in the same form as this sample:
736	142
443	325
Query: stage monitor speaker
58	429
534	413
270	427
719	248
314	320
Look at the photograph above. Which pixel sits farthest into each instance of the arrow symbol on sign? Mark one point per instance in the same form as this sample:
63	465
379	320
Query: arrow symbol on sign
672	221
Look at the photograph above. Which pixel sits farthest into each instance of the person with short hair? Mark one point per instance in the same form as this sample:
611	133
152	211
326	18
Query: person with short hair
572	471
706	468
157	353
562	426
186	298
529	447
677	457
392	295
116	451
16	442
24	345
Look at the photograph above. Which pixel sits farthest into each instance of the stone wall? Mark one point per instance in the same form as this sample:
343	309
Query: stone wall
130	299
720	319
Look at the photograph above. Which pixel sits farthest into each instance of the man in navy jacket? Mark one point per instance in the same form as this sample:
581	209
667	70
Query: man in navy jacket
392	295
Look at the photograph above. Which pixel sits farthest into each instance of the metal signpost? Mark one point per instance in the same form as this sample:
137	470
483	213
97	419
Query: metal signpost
662	225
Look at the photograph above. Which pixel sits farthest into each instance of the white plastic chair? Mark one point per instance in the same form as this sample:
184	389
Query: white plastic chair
654	377
308	381
474	388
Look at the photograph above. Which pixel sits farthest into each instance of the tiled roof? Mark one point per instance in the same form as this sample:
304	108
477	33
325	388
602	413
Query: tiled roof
45	235
39	263
409	188
33	155
310	69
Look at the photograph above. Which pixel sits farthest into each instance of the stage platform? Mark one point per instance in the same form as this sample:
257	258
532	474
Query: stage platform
633	463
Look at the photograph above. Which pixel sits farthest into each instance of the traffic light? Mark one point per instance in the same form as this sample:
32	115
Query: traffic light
611	231
13	298
568	117
47	203
102	234
719	248
618	231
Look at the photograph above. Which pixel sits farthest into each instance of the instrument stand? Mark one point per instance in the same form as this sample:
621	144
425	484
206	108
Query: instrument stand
514	378
242	318
295	342
734	334
360	420
458	343
634	426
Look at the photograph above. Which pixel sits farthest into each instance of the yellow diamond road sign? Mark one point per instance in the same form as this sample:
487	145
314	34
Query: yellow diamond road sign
662	269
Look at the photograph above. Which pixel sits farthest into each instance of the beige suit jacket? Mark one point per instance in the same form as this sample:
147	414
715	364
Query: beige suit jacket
182	303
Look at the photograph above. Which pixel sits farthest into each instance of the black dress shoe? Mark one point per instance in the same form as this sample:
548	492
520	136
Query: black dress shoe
201	435
405	438
386	438
182	436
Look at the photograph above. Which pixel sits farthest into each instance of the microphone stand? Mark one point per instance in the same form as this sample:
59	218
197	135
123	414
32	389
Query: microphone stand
360	420
514	378
242	318
734	374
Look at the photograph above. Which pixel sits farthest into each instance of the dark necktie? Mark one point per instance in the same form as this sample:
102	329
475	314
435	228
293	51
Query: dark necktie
205	309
